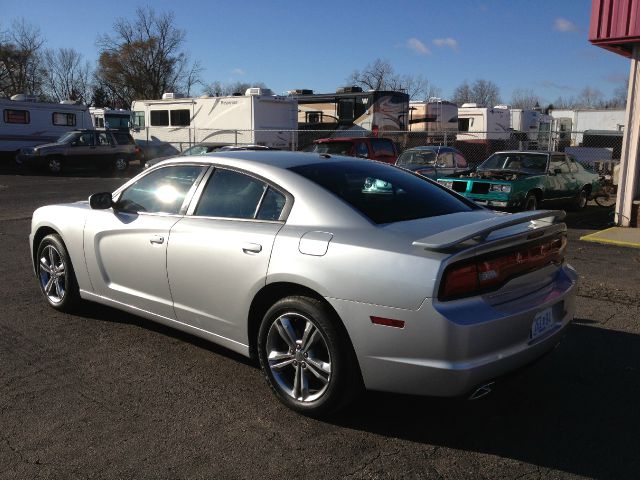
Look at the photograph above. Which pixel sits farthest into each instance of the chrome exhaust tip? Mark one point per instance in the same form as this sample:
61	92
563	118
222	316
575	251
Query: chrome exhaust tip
482	391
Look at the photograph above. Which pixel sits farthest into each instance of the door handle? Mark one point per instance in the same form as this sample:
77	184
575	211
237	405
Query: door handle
251	248
157	239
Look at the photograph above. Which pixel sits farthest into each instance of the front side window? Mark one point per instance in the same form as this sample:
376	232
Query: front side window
16	116
383	193
64	119
180	118
559	162
102	139
82	140
461	162
159	118
445	160
230	194
161	191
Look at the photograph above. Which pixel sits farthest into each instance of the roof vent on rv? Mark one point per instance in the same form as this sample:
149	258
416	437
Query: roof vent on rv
171	96
470	105
503	107
258	91
23	97
351	89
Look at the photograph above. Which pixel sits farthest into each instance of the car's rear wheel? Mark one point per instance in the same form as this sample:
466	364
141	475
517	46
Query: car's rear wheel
306	360
120	164
531	202
54	165
55	273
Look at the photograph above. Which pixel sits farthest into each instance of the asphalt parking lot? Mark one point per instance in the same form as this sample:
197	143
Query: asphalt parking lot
105	394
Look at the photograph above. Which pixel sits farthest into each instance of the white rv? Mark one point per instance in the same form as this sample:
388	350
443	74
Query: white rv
259	117
434	116
25	122
110	118
478	123
531	126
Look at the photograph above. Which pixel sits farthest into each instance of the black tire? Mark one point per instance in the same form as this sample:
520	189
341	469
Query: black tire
581	200
297	356
58	284
54	165
606	200
120	164
531	202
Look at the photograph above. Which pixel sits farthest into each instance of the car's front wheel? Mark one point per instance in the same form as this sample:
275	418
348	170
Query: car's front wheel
531	202
581	201
305	358
55	274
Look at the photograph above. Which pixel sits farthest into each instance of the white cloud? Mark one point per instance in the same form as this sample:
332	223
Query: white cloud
238	71
452	43
563	25
417	46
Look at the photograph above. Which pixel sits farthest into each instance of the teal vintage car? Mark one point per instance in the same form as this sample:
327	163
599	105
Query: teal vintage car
522	180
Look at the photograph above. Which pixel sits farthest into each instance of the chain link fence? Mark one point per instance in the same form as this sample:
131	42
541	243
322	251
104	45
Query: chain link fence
600	150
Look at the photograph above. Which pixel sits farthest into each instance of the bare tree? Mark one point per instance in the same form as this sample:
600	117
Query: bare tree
524	98
590	97
619	97
380	75
144	58
218	89
68	77
20	70
482	92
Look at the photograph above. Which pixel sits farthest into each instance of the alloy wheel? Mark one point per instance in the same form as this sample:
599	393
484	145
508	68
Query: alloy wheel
53	274
298	357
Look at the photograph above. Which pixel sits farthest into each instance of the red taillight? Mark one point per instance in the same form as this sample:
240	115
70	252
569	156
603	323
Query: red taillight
490	272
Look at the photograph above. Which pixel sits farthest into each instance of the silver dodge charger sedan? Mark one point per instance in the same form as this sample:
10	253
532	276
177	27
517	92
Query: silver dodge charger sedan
336	273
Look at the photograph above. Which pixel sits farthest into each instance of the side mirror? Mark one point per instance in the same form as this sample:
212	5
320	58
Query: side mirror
101	201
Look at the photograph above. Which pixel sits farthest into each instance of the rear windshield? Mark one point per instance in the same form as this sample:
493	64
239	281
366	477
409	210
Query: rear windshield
424	157
336	148
383	193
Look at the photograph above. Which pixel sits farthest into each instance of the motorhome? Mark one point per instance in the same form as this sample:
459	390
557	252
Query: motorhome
110	118
349	108
26	122
258	117
479	123
435	116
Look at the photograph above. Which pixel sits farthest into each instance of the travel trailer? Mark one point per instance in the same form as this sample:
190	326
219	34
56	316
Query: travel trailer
349	108
571	123
110	118
258	117
478	123
435	116
25	122
531	127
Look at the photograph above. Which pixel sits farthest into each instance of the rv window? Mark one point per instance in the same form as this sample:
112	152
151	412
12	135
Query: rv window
159	118
100	122
180	118
16	116
346	109
138	119
464	124
64	119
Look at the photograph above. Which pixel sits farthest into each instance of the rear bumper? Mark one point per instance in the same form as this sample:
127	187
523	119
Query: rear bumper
447	350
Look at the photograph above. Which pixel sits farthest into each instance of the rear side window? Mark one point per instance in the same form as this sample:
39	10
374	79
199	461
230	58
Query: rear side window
230	194
123	138
383	193
382	147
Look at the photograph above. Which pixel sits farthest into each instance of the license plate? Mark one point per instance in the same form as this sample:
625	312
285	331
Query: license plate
542	322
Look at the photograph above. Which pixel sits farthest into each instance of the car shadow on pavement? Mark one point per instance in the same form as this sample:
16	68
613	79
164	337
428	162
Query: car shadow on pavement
577	410
103	313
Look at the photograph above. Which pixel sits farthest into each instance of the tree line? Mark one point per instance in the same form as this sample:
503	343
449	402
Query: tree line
144	57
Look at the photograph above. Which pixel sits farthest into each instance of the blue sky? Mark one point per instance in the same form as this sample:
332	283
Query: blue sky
539	45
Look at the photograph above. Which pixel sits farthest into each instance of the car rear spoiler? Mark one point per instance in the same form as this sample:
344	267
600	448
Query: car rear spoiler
481	230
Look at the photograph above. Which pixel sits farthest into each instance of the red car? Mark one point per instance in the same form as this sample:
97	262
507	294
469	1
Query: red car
381	149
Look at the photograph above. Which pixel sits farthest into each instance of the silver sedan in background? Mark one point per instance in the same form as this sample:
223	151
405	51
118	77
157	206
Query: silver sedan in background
337	274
